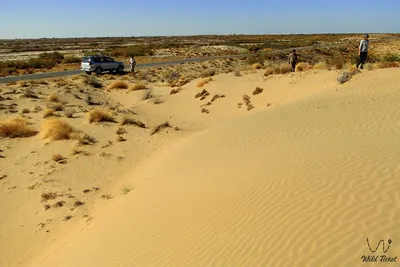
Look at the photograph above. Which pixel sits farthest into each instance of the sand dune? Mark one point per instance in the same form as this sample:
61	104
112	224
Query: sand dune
302	184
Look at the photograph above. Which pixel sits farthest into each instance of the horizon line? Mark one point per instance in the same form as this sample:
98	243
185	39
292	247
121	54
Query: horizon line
198	35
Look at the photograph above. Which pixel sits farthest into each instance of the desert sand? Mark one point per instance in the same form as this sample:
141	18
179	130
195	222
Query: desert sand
296	173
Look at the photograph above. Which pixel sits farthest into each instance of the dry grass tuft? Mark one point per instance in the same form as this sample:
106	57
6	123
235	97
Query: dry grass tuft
28	93
78	203
121	131
208	73
55	129
258	91
148	94
69	113
204	82
77	151
107	196
132	121
58	158
269	71
117	85
387	64
237	73
53	98
25	111
90	80
202	95
48	196
247	101
137	87
48	113
320	66
100	115
87	140
56	107
175	91
16	128
120	138
303	67
283	69
204	110
160	127
339	65
256	66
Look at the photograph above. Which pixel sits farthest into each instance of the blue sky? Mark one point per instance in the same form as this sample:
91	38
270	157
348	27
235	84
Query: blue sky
79	18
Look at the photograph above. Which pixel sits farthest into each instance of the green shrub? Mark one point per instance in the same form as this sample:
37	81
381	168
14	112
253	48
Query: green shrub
41	63
71	59
390	57
55	56
133	50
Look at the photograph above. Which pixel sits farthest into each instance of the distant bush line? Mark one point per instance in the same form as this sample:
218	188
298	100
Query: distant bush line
43	61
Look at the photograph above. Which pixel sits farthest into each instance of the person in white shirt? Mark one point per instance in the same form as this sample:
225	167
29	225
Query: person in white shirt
363	51
133	64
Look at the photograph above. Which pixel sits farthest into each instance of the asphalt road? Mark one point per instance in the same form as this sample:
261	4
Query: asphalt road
146	65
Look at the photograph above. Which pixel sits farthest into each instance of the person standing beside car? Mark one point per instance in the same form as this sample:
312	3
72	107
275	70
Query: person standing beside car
293	60
363	51
133	64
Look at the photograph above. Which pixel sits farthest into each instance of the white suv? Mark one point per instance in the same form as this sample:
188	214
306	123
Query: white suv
100	64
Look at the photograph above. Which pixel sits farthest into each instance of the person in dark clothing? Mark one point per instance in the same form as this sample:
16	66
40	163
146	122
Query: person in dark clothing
293	60
363	51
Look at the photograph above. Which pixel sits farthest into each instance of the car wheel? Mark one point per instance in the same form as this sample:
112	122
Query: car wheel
98	71
120	69
88	72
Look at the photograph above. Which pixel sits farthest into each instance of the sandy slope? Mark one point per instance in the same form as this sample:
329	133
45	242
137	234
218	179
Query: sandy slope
301	184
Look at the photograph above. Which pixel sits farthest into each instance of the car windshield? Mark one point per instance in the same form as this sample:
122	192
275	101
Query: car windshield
85	59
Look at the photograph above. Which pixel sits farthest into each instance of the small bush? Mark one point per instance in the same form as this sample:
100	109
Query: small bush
118	85
347	75
237	73
16	128
100	115
55	129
